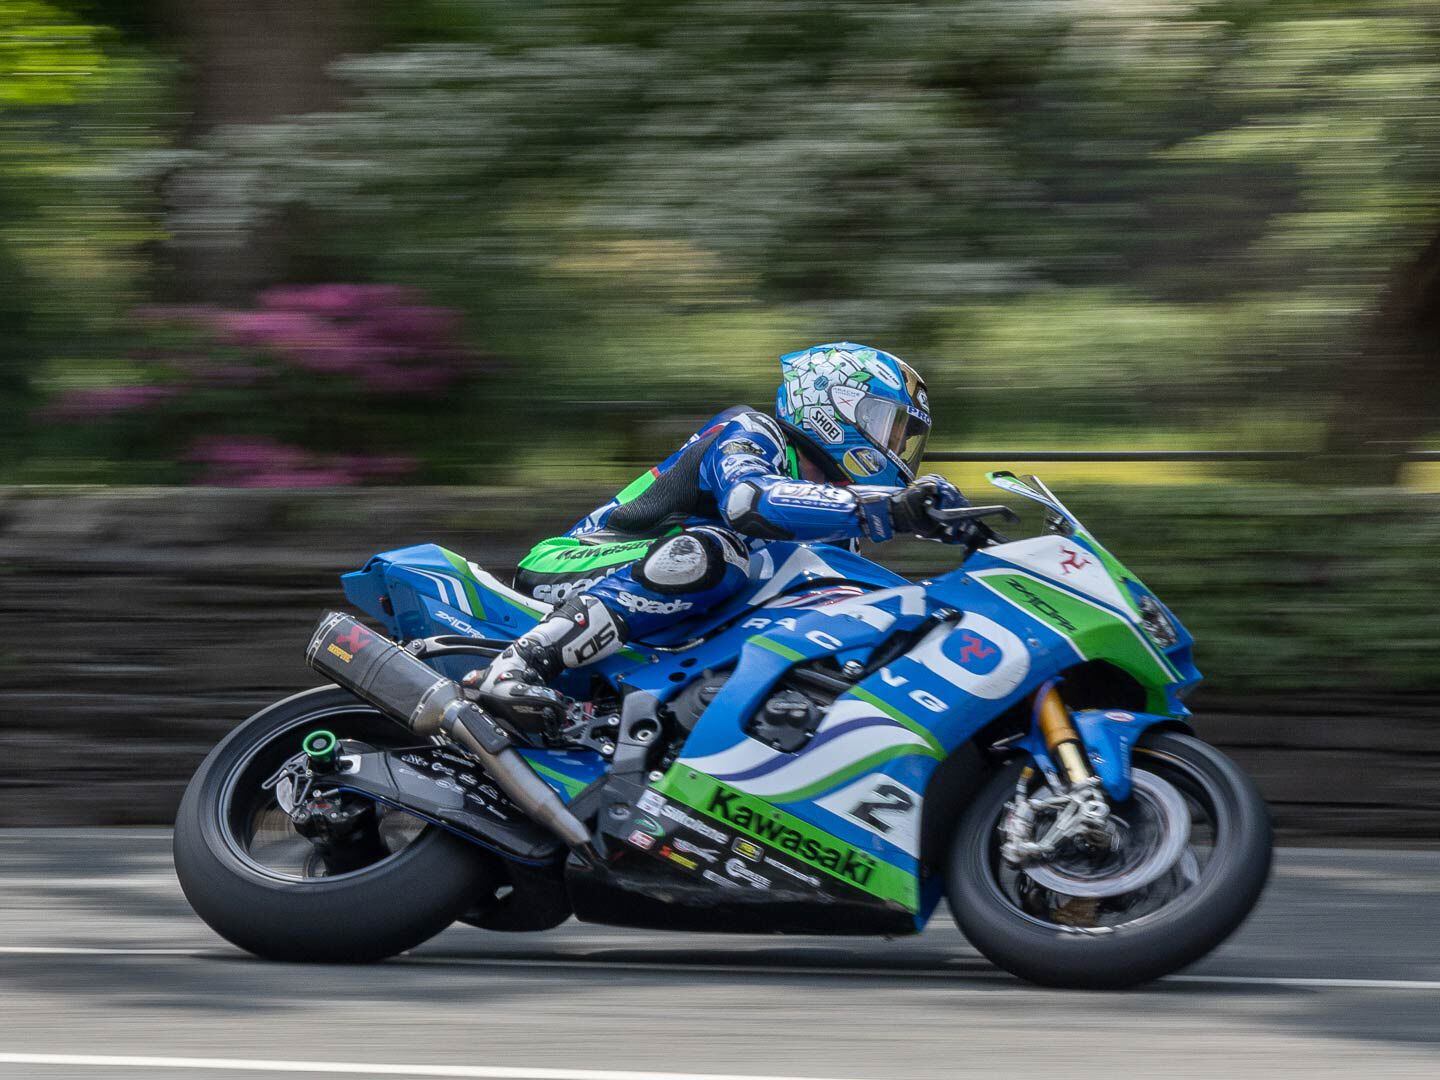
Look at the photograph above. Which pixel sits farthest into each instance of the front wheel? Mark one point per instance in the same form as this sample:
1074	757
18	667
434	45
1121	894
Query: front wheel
1101	921
393	883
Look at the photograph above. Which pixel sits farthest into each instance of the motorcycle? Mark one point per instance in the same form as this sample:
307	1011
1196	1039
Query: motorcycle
834	751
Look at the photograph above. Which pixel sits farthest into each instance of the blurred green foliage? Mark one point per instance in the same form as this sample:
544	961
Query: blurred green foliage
76	102
1088	224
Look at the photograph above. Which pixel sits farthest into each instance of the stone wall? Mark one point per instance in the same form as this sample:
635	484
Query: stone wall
140	625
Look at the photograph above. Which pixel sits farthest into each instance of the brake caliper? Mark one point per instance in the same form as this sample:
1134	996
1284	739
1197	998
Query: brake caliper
330	819
1080	813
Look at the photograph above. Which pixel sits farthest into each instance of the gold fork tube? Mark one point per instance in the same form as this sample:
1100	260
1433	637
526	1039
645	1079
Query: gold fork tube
1061	738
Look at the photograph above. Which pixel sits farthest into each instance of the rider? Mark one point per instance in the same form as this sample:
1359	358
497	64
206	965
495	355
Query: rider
839	466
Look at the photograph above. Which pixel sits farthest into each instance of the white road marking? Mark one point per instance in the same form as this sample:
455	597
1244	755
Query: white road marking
68	832
127	881
1323	984
350	1068
960	969
65	950
983	971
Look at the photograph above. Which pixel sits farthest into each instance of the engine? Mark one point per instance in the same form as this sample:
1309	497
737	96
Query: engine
786	720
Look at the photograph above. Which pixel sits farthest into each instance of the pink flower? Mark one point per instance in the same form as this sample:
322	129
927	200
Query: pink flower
407	379
379	466
272	328
246	452
377	334
93	404
414	325
334	300
307	341
232	374
295	478
261	462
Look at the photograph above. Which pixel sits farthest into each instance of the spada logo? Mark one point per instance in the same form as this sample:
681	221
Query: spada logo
640	604
559	591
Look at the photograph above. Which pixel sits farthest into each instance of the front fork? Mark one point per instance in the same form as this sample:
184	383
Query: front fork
1073	803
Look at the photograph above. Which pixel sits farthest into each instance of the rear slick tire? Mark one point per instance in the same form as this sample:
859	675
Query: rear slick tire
358	917
1112	958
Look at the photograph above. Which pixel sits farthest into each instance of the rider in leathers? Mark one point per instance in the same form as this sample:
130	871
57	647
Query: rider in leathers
836	465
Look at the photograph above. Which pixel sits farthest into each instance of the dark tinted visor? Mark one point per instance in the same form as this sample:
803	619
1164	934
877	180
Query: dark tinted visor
893	428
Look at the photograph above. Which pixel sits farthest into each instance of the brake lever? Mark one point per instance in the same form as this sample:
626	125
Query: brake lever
979	533
972	513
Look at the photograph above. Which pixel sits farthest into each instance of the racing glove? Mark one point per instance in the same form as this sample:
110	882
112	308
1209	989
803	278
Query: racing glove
909	506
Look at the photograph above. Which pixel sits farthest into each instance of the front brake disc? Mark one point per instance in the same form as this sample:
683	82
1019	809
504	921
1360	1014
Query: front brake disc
1167	821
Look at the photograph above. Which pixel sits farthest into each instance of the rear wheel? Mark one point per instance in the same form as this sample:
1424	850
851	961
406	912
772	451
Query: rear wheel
1192	859
384	884
524	899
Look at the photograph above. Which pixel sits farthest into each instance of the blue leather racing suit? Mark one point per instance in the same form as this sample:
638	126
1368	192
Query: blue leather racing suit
677	540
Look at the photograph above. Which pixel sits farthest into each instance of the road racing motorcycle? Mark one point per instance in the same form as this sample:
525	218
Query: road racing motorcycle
835	751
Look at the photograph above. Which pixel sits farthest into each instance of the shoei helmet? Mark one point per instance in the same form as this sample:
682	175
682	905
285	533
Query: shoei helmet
863	412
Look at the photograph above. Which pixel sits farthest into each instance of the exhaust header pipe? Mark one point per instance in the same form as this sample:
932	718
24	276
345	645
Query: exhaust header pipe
373	667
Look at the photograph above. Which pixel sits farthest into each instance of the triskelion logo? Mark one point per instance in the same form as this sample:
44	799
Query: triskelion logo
975	653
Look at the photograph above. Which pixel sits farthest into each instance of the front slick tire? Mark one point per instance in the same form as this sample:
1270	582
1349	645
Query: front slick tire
1126	953
358	917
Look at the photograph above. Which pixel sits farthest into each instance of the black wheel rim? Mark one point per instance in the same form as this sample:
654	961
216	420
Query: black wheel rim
260	834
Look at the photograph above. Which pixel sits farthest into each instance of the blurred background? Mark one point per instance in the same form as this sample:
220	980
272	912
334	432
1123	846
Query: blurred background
283	284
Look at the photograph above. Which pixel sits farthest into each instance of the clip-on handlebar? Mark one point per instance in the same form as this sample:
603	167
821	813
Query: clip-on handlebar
977	533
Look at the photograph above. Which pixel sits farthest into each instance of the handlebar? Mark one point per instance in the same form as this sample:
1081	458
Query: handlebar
972	513
966	524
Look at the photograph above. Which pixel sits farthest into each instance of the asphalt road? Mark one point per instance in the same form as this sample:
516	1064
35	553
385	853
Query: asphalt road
104	973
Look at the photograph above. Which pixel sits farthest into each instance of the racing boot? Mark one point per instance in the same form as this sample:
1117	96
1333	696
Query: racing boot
514	690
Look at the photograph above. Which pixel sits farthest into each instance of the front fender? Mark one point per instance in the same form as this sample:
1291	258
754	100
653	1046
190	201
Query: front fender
1109	736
